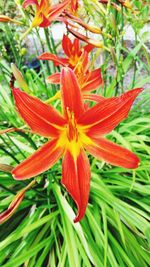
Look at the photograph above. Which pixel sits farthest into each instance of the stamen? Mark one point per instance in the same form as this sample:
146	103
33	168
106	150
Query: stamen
72	132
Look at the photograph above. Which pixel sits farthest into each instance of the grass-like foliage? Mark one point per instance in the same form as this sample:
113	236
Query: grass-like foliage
115	231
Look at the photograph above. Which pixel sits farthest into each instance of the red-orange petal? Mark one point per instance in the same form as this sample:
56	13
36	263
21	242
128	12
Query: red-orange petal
57	60
29	2
88	48
57	9
54	78
84	61
71	94
76	47
71	48
45	22
74	5
113	153
76	179
44	5
43	119
106	115
94	97
67	45
94	80
40	161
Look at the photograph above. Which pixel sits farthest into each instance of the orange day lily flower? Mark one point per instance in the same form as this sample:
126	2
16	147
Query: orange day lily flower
77	59
45	11
73	52
73	132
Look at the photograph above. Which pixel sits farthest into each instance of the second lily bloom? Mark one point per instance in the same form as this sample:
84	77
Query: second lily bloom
77	58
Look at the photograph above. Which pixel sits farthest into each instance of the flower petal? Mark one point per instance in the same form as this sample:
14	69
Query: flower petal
54	78
57	60
37	20
45	22
76	48
29	2
42	118
40	161
114	154
94	80
44	5
76	179
94	97
57	9
67	45
71	94
106	115
74	5
88	48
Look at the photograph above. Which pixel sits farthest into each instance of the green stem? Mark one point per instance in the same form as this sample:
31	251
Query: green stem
52	41
37	51
41	42
47	40
116	44
51	51
122	44
9	37
135	68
